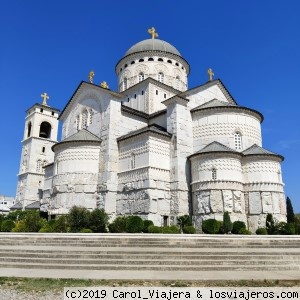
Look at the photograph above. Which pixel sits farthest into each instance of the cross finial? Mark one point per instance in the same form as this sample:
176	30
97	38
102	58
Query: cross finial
153	33
91	75
210	74
104	85
45	97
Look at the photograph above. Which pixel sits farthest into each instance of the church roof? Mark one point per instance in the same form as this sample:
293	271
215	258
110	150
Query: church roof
81	136
213	103
207	85
82	85
33	205
257	150
142	114
16	206
152	45
150	128
215	147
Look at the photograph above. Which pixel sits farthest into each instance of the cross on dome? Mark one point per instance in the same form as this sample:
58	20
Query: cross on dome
45	97
153	33
210	74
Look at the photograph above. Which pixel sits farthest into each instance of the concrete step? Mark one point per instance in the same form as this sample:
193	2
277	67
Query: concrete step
153	267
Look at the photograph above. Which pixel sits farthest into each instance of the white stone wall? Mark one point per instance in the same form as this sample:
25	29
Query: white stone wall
221	126
201	95
96	103
227	168
262	170
172	66
130	122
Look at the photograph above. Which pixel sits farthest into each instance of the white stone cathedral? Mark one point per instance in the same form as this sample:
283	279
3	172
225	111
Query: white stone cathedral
155	148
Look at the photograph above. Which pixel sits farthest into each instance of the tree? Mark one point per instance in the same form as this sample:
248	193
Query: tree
289	211
270	224
79	218
99	220
227	224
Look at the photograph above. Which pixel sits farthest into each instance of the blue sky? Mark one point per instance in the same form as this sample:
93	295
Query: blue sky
252	46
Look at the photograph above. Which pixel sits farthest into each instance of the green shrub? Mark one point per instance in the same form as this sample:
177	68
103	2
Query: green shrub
244	231
261	231
185	220
19	226
211	226
189	229
86	230
31	222
284	228
98	220
147	223
170	229
79	218
154	229
16	215
60	224
7	225
227	224
118	225
270	224
221	231
134	224
46	228
237	226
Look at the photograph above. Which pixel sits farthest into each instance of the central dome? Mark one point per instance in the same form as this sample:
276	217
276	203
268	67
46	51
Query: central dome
152	45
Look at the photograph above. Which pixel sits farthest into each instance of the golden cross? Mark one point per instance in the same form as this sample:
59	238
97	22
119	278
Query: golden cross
104	85
153	33
91	75
210	73
45	97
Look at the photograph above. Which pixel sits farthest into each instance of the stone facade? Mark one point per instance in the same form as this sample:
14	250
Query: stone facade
155	148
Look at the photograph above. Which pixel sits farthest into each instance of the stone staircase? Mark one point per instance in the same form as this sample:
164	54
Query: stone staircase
176	254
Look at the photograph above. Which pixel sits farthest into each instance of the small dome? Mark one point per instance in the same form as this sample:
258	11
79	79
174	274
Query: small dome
153	45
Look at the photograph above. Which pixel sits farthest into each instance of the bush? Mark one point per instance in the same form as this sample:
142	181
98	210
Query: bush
189	230
227	224
154	229
237	226
118	225
60	224
284	228
134	224
31	222
270	224
184	220
79	218
46	228
170	229
211	226
147	223
261	231
98	220
244	231
7	225
16	215
86	230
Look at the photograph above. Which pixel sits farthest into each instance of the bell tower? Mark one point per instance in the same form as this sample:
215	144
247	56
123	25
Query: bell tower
40	134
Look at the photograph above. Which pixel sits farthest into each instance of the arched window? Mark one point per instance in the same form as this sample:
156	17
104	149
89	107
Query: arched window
132	161
39	166
78	122
214	174
133	62
91	116
84	119
150	59
125	84
141	60
237	141
141	76
169	61
45	163
160	59
160	77
45	130
29	129
177	82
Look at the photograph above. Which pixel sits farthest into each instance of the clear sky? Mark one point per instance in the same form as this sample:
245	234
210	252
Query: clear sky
252	46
